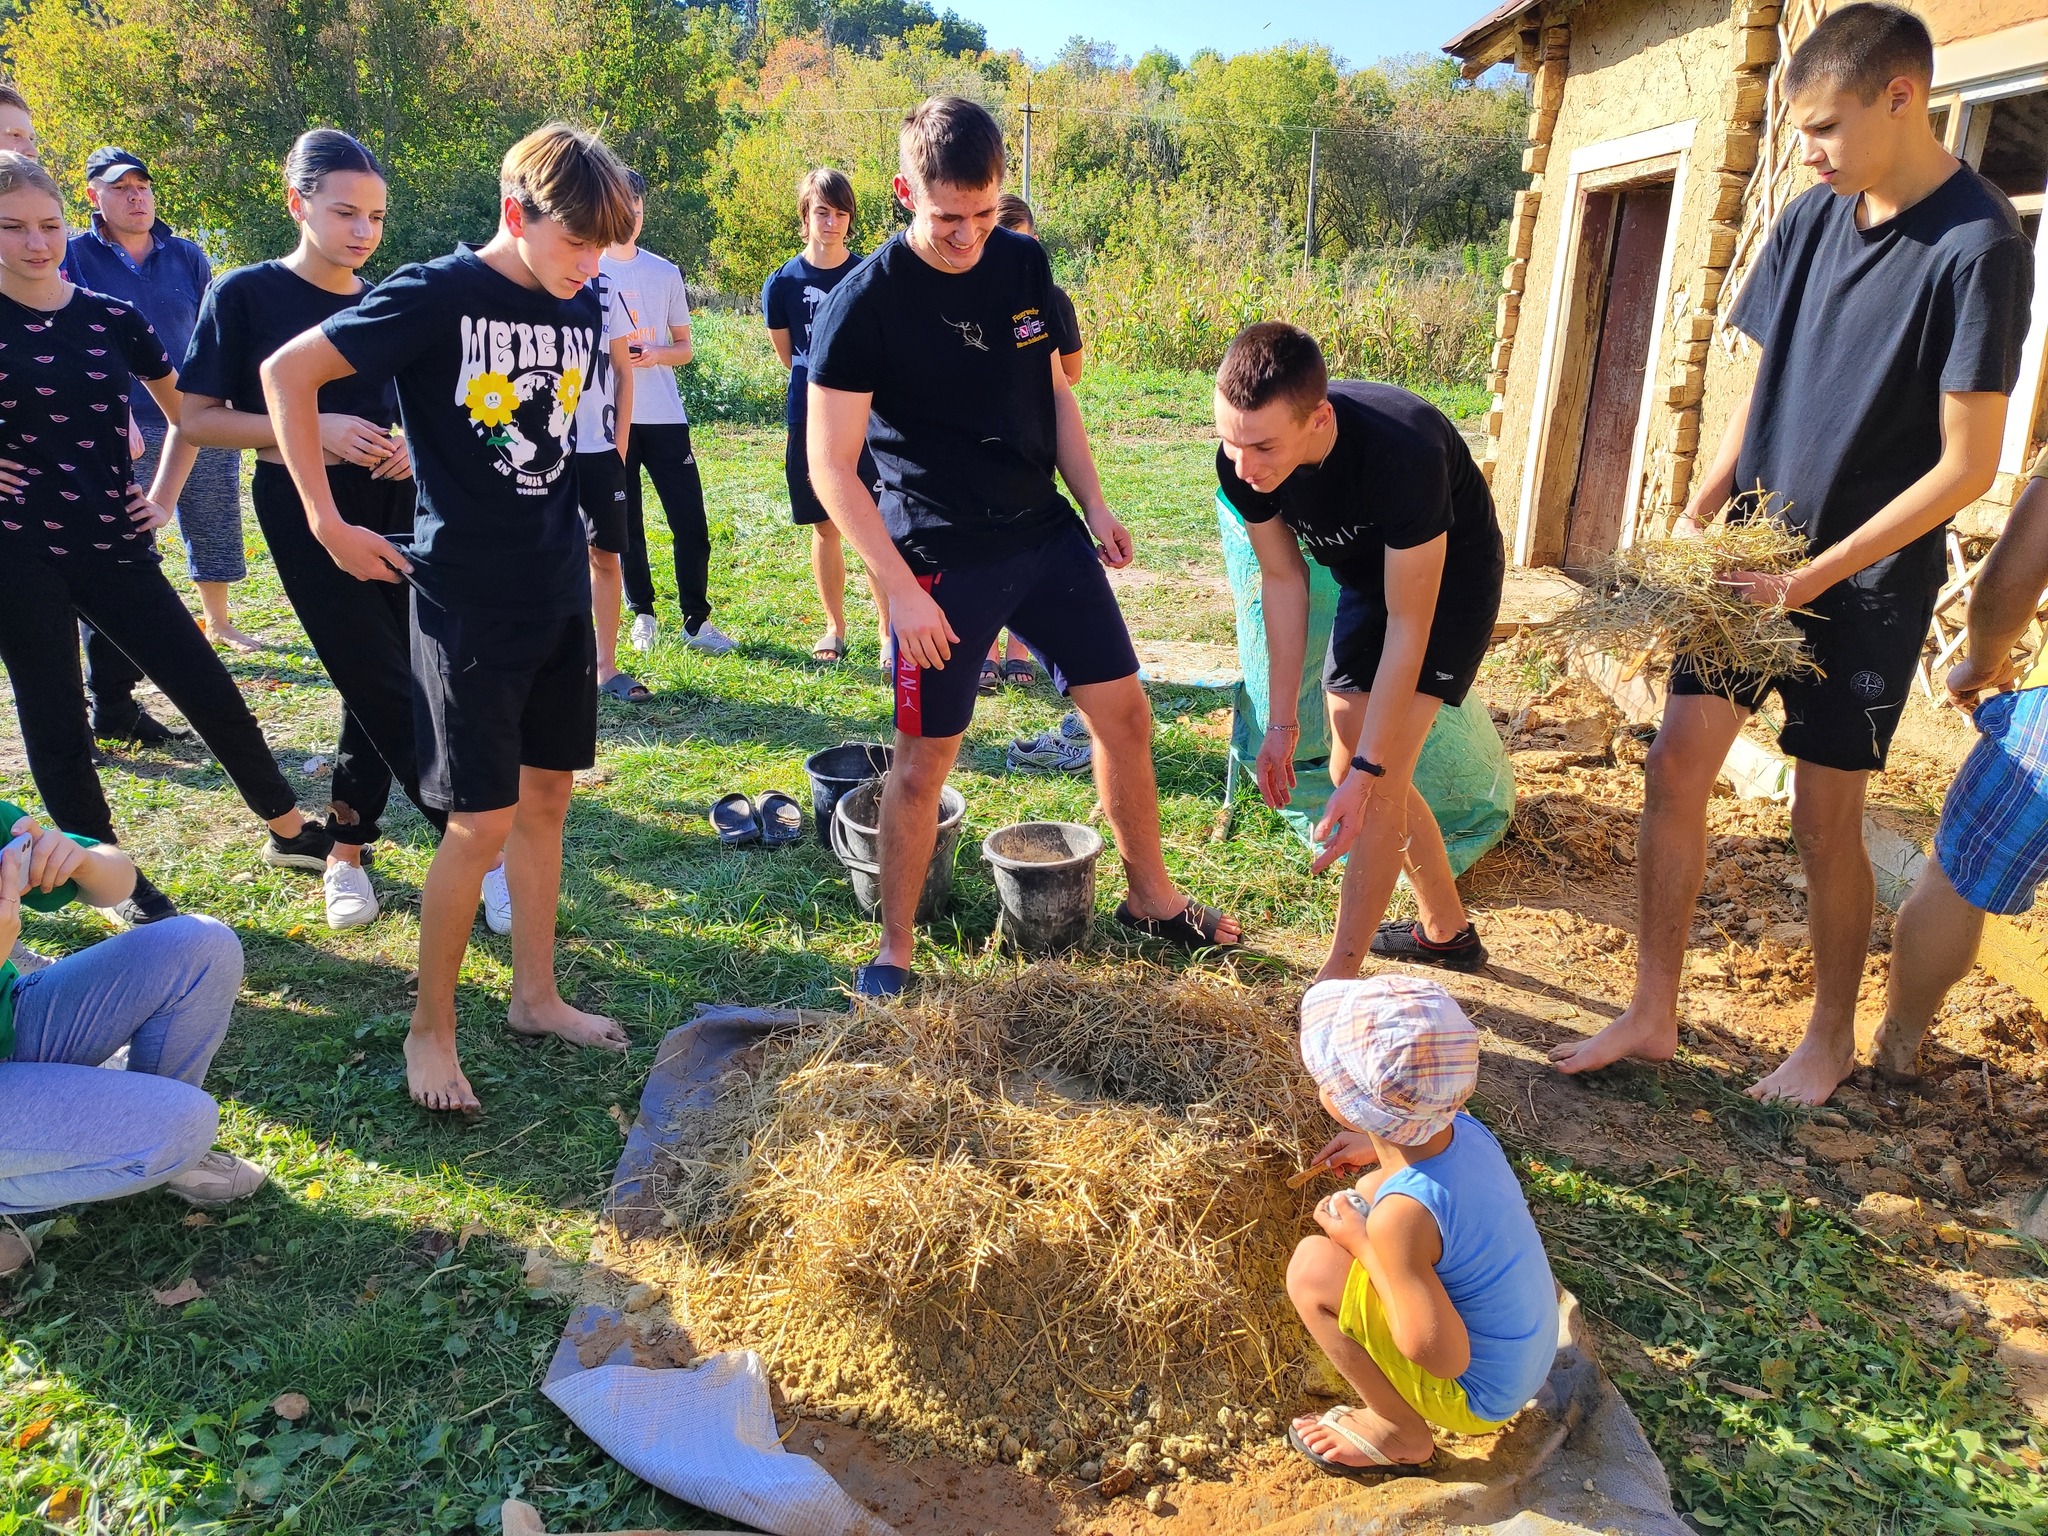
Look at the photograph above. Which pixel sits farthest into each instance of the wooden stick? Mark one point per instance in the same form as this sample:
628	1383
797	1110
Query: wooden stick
1308	1173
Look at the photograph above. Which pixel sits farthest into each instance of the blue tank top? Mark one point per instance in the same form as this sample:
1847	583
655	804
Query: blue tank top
1493	1266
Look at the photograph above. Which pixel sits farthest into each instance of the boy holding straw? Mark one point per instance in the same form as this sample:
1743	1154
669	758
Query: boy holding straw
1430	1291
1890	304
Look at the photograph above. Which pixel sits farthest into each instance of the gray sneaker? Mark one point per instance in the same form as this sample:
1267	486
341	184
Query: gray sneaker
710	639
1072	727
1052	753
216	1179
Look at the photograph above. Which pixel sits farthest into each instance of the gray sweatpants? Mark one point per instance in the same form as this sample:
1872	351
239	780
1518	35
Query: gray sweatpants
71	1132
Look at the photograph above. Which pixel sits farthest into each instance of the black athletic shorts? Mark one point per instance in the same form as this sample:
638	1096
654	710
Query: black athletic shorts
601	494
494	692
1460	632
1868	645
1055	597
804	506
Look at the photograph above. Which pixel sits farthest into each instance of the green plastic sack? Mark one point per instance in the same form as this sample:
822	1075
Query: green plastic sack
1463	772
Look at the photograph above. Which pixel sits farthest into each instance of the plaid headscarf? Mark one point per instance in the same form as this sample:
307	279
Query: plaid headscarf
1396	1052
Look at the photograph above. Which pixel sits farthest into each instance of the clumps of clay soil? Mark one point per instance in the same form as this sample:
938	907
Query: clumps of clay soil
1043	1220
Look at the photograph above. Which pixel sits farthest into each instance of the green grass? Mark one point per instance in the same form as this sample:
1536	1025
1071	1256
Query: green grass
380	1275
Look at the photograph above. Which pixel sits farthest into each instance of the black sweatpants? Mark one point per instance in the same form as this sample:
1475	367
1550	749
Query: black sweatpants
134	609
663	450
361	631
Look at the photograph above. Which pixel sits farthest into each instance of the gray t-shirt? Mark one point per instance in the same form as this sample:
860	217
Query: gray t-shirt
649	291
1863	331
596	415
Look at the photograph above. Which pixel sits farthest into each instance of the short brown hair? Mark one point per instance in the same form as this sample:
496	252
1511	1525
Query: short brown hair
1013	213
1862	48
1273	361
18	171
10	97
566	174
950	141
824	186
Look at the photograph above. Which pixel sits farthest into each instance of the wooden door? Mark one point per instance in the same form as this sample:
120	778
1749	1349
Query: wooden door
1614	403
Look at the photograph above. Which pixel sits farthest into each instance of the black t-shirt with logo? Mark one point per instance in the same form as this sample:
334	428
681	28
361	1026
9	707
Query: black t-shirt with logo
959	365
790	301
250	313
488	376
1397	476
66	378
1863	331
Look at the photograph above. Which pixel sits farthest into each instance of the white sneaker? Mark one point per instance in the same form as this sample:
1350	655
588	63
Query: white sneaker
351	900
497	901
644	630
709	639
216	1179
1051	752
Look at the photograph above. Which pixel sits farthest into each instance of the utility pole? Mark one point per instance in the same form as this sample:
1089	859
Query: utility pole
1308	243
1028	111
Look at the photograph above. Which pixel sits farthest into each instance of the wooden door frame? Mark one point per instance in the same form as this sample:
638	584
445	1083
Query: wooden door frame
1612	165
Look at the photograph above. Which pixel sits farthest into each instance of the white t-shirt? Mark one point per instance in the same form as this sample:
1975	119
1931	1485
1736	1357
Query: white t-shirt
596	415
650	296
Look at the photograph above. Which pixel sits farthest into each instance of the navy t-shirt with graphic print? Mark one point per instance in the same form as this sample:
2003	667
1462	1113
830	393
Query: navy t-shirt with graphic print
1863	331
790	301
66	377
488	376
959	365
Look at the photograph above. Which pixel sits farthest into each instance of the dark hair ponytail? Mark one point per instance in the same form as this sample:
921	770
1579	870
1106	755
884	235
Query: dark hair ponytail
318	153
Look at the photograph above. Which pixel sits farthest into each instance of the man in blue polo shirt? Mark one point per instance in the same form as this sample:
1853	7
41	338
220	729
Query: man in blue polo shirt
131	254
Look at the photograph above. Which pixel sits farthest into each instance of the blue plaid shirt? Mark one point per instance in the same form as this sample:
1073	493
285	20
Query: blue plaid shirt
165	287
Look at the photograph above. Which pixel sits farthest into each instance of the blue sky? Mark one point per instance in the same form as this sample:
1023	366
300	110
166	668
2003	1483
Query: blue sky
1360	31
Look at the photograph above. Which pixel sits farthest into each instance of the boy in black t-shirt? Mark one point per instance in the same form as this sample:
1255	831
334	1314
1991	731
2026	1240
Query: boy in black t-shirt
1378	485
937	353
490	347
1890	305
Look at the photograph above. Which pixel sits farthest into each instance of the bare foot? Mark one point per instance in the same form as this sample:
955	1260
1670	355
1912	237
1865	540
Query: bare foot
1367	1425
572	1024
1628	1038
434	1077
231	637
1810	1075
1895	1054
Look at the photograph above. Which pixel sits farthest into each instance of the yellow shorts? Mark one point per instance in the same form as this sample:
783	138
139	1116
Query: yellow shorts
1363	1319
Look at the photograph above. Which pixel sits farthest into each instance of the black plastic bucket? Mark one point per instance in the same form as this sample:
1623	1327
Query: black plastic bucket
836	771
1045	877
857	839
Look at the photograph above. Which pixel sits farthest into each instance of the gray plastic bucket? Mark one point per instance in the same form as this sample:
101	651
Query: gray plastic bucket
839	769
857	839
1045	877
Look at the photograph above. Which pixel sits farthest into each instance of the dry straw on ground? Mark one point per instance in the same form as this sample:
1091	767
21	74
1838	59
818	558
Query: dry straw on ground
1668	599
1044	1220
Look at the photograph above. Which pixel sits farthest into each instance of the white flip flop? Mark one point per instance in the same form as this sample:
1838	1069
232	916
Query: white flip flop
1381	1464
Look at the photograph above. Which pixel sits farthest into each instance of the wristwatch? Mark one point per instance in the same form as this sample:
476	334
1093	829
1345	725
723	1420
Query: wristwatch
1365	767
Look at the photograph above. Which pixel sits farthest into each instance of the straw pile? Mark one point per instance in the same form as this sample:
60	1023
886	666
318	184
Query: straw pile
1666	599
1043	1220
1572	833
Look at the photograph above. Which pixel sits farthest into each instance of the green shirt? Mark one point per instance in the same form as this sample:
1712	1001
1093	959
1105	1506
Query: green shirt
37	901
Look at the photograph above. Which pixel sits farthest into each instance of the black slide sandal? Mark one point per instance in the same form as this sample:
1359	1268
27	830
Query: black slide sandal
1193	927
782	819
734	820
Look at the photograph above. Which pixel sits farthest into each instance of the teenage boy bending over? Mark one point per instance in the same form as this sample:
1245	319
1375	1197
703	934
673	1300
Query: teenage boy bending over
490	347
1890	305
945	335
1380	487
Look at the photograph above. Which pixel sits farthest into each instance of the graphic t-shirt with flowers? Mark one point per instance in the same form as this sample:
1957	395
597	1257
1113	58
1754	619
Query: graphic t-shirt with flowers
65	378
488	375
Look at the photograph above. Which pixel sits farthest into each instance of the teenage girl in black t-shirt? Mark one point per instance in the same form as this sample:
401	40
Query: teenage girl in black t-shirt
77	536
334	188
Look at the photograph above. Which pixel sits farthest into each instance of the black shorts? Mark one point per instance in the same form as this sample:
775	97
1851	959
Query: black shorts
1868	645
1460	633
804	506
494	692
601	495
1054	597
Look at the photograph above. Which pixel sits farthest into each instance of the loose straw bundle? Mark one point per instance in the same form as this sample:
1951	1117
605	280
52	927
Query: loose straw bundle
1014	1217
1668	599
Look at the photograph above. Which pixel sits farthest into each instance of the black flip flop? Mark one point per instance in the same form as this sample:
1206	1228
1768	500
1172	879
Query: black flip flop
1193	927
734	819
991	678
782	819
877	980
1019	673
